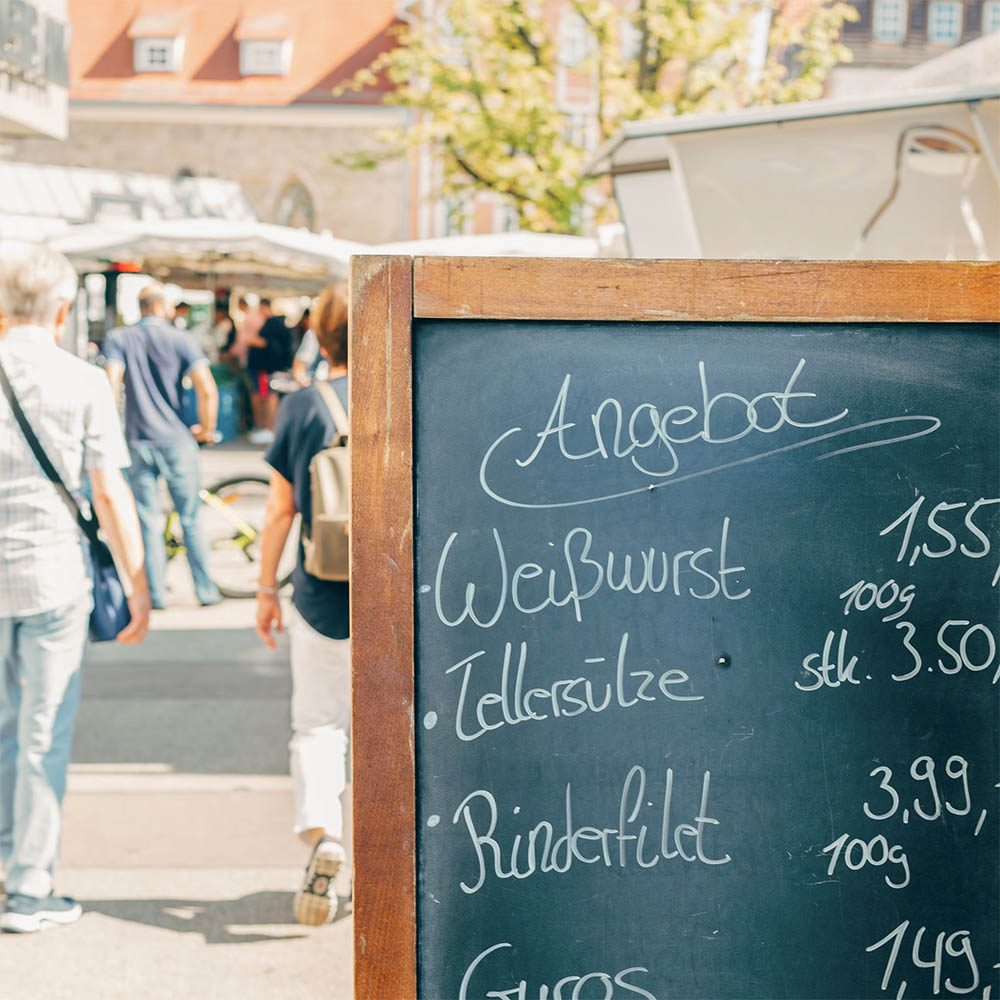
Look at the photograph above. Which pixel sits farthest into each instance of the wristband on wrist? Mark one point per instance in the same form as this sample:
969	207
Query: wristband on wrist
261	589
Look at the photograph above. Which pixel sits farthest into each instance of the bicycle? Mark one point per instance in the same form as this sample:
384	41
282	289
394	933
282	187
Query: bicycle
232	517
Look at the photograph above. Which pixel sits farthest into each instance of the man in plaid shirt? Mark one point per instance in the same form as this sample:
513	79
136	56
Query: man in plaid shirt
45	588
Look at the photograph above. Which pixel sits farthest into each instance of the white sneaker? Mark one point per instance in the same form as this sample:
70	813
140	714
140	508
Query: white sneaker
316	901
261	436
27	914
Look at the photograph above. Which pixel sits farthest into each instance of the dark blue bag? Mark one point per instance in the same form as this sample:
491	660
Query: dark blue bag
110	613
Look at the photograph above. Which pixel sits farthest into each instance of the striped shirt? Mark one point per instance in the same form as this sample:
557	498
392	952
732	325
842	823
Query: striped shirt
72	412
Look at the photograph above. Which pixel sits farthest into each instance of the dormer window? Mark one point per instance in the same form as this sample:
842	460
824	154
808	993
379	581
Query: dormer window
158	55
158	40
265	42
265	56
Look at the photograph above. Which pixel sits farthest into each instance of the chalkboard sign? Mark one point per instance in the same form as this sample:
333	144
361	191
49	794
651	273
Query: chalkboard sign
676	635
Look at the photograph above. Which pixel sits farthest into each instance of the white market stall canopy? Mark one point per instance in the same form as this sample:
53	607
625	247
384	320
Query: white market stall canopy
895	176
39	200
208	252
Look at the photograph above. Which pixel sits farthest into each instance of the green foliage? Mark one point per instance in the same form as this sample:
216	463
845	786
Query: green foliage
482	78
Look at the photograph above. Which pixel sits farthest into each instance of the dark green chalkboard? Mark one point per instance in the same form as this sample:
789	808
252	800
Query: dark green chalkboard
790	612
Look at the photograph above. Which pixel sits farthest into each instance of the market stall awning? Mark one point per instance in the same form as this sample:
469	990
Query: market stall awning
209	252
900	175
38	200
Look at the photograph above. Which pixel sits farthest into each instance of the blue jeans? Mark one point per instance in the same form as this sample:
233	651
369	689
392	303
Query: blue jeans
179	465
40	659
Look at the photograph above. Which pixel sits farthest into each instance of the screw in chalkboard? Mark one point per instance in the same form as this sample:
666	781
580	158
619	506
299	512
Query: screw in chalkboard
723	660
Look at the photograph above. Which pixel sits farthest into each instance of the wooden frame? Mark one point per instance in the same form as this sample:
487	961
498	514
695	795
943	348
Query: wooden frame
387	294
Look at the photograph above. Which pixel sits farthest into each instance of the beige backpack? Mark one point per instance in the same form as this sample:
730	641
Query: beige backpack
325	541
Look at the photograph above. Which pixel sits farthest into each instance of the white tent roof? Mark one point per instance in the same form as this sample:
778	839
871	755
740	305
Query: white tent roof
192	252
613	154
902	175
74	195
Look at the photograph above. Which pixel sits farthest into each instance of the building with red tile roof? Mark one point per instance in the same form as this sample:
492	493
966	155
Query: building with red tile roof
237	89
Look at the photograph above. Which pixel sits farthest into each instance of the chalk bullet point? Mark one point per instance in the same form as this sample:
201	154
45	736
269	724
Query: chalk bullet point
723	660
433	821
517	809
430	720
425	589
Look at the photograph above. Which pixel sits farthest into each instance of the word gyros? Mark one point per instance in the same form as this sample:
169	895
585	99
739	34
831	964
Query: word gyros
571	987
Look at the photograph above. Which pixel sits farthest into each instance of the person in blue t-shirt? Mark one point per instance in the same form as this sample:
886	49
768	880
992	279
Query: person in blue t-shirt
318	625
152	358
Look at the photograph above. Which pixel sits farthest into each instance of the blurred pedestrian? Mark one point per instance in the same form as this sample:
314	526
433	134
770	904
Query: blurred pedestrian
182	316
247	322
270	352
152	358
45	587
219	334
318	625
308	358
301	327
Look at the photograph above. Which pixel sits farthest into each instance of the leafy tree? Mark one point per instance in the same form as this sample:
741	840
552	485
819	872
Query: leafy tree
482	77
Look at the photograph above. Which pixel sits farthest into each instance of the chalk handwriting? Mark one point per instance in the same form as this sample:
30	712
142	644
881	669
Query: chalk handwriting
949	535
652	437
613	986
857	853
923	769
580	573
863	595
945	946
565	698
966	646
825	671
621	846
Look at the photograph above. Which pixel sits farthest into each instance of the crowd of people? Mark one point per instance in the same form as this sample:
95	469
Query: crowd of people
255	343
71	410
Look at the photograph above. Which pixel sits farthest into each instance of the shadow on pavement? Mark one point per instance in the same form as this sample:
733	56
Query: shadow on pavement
217	921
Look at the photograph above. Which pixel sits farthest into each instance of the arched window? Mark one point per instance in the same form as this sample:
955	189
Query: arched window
295	206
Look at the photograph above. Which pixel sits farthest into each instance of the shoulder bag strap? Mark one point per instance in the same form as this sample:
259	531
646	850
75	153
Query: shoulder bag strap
87	525
329	396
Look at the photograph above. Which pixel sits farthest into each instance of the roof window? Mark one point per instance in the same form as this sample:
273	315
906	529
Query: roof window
158	41
265	42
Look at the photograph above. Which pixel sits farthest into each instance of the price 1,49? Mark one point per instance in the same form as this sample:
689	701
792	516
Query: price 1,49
956	945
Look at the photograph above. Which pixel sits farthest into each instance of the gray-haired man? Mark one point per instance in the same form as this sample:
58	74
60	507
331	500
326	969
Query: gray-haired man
45	588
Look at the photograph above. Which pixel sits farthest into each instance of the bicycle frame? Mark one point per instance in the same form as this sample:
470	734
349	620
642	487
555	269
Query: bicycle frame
246	536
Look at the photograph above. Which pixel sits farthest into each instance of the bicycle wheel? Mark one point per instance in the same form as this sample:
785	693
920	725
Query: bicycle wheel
232	516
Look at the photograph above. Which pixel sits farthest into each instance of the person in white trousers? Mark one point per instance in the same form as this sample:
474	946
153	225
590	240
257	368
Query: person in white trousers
318	625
